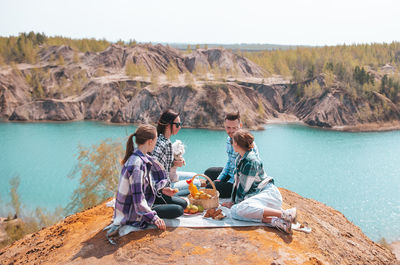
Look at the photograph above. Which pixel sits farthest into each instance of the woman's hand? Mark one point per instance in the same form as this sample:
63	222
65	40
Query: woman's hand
169	191
160	224
227	204
179	163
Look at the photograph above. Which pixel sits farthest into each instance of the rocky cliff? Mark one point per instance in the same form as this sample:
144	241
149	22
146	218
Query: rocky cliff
66	85
79	239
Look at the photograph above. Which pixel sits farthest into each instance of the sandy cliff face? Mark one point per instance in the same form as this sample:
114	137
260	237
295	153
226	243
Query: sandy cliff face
125	102
93	86
79	239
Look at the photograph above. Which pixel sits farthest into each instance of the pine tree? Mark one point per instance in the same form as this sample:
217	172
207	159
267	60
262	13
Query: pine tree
60	61
15	202
132	43
172	73
189	79
189	49
130	70
133	70
260	108
76	57
312	89
100	71
154	78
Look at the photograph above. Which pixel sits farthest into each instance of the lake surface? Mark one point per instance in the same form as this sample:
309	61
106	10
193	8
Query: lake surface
355	173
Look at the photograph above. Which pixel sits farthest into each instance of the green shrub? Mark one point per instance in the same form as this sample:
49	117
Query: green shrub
98	168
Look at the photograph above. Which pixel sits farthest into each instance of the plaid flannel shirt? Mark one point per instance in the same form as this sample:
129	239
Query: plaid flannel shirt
229	170
250	177
163	152
140	180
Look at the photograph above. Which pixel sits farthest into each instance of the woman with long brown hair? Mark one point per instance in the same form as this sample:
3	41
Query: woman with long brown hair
169	124
254	195
142	179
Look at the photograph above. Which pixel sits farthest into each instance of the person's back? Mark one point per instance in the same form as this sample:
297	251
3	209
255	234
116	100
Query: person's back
134	172
249	174
141	181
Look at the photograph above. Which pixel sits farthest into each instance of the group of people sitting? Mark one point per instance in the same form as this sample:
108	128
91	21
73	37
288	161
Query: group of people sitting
146	193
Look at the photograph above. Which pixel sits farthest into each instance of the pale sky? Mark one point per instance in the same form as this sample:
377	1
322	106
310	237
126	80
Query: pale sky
301	22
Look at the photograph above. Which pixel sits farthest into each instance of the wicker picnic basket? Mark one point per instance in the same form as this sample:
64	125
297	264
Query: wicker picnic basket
206	203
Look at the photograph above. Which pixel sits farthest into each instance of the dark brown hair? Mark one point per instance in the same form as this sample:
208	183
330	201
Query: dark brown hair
244	139
166	119
142	134
232	116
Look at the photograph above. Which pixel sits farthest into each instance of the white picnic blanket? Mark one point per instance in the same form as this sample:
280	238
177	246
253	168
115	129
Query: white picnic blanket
195	220
198	221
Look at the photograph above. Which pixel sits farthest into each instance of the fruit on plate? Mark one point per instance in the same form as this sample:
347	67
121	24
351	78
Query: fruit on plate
193	209
200	208
186	209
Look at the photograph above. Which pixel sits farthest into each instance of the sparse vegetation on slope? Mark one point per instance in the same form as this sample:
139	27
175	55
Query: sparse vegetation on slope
350	87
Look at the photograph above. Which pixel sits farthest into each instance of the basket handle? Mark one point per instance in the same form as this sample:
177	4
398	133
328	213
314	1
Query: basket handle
206	177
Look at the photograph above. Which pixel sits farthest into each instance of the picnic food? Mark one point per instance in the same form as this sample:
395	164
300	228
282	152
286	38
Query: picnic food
191	208
197	194
201	195
214	213
208	198
209	212
219	217
192	188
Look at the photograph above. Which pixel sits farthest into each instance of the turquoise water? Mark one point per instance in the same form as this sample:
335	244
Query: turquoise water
355	173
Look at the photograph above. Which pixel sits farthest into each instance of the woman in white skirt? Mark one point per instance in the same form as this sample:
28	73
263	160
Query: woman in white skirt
254	195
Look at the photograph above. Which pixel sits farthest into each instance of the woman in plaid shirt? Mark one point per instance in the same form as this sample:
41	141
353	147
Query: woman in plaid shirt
169	124
254	195
142	180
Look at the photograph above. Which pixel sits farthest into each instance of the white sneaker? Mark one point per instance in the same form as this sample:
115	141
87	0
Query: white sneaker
289	215
282	225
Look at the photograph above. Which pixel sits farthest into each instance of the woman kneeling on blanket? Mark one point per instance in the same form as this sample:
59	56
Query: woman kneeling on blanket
141	181
254	196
